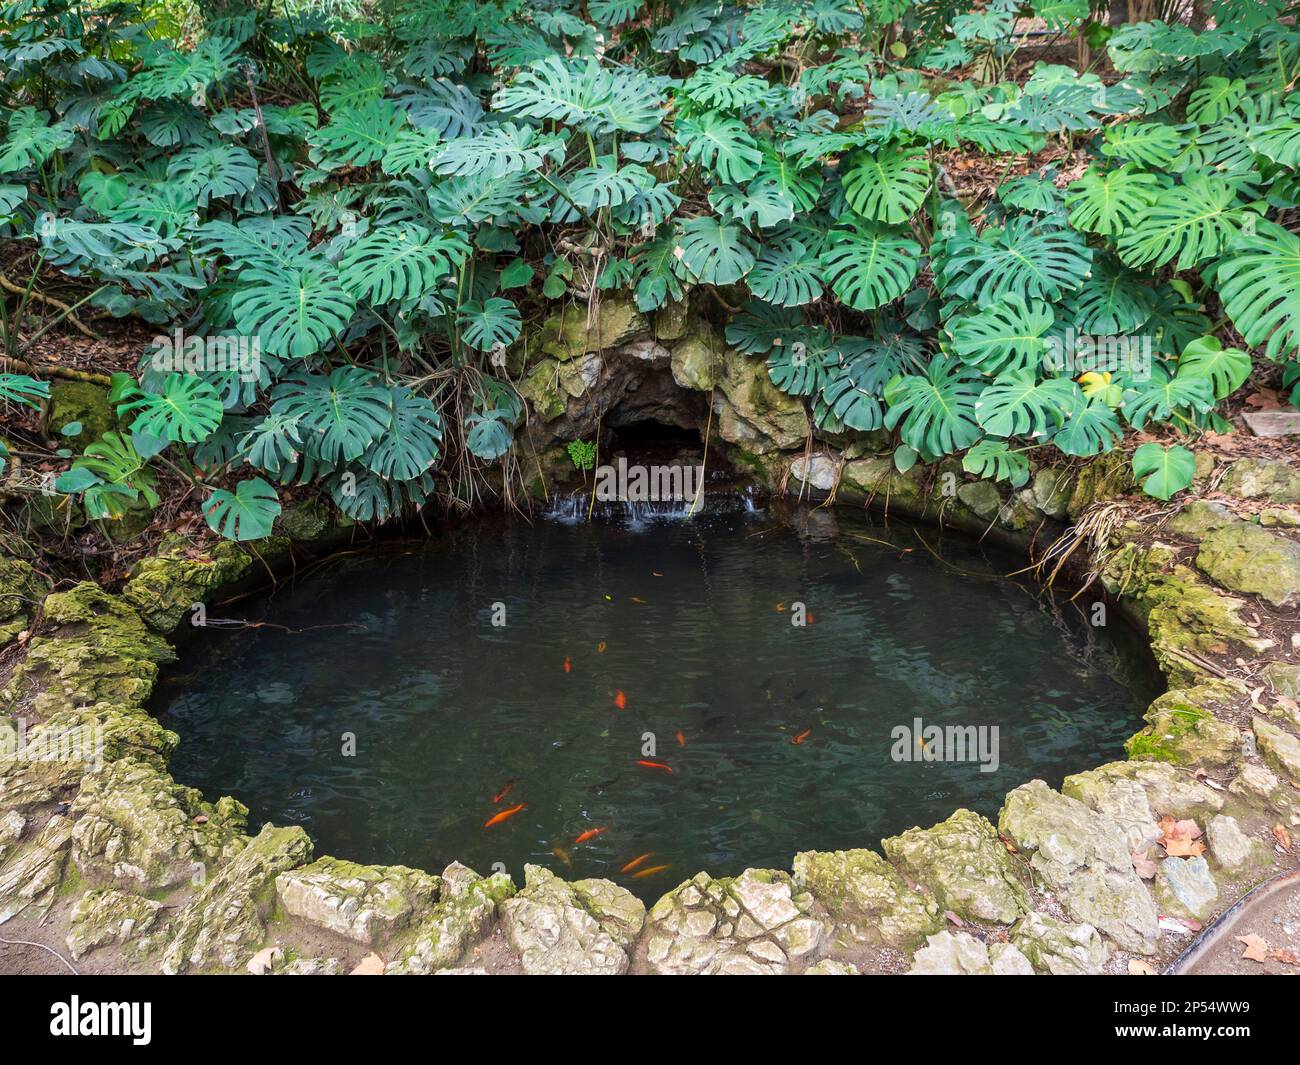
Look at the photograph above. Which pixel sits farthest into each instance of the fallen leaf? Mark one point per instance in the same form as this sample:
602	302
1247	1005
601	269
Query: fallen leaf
1011	847
262	962
1286	957
1180	839
1140	968
1282	836
952	918
1144	866
370	965
1256	948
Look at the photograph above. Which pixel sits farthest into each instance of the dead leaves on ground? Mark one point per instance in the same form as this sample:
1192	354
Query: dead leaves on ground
1282	836
1257	949
1180	839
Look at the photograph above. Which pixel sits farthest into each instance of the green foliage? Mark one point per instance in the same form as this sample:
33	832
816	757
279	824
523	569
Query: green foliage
1163	470
410	195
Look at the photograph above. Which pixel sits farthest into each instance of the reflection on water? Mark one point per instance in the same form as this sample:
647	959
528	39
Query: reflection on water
666	642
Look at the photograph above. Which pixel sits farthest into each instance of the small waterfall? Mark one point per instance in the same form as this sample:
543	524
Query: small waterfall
574	508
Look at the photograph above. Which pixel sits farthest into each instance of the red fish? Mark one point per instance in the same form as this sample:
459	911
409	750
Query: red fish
568	666
620	700
651	871
591	833
654	765
681	738
801	737
636	861
504	815
510	786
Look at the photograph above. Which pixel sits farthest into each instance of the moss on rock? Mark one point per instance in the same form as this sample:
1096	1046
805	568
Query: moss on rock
870	902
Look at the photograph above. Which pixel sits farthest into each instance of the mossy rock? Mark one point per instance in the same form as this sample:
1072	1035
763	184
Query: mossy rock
167	585
1246	558
1106	477
1268	479
78	402
1183	729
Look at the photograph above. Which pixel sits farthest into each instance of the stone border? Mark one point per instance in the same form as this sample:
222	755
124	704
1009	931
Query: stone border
121	859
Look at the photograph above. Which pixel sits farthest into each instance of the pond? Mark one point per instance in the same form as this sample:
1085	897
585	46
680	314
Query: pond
635	698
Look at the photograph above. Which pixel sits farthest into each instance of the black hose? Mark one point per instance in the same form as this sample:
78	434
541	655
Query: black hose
1222	925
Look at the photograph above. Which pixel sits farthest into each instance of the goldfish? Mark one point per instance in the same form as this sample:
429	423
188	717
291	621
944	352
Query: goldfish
681	738
636	861
654	765
620	700
638	599
568	666
810	618
801	737
600	648
504	815
591	833
780	608
563	855
510	786
651	871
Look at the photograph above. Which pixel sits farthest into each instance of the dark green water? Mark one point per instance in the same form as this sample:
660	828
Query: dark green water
398	649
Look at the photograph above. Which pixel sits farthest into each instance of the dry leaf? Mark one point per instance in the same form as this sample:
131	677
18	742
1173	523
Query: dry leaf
1140	968
1282	836
1286	957
370	965
1144	866
1180	839
264	960
954	919
1256	948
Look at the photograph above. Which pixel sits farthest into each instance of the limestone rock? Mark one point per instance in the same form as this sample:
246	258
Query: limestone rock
819	471
572	333
1231	848
563	929
1184	730
462	916
1201	517
1058	948
111	917
1285	678
1185	888
1262	479
961	954
137	827
166	585
870	903
226	921
982	497
312	967
1249	559
753	924
366	903
965	864
1084	858
752	411
31	876
1279	748
831	967
697	360
22	590
1136	794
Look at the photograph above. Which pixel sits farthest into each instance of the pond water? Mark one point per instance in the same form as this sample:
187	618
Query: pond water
498	693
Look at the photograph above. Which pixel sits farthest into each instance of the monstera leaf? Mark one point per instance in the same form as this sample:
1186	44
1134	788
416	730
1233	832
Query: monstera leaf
214	172
798	368
361	134
1161	395
1227	368
852	391
786	274
1090	428
1192	222
110	476
584	95
1164	470
487	324
1259	283
939	408
292	312
721	145
30	140
247	513
888	185
400	263
1018	404
1114	300
868	267
339	416
1024	259
1007	335
187	408
497	151
18	388
1109	202
409	446
994	460
714	252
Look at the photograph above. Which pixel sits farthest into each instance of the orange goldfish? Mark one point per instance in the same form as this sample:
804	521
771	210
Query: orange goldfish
681	738
568	666
651	871
801	737
600	648
591	833
504	815
563	855
636	861
654	765
620	700
510	786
